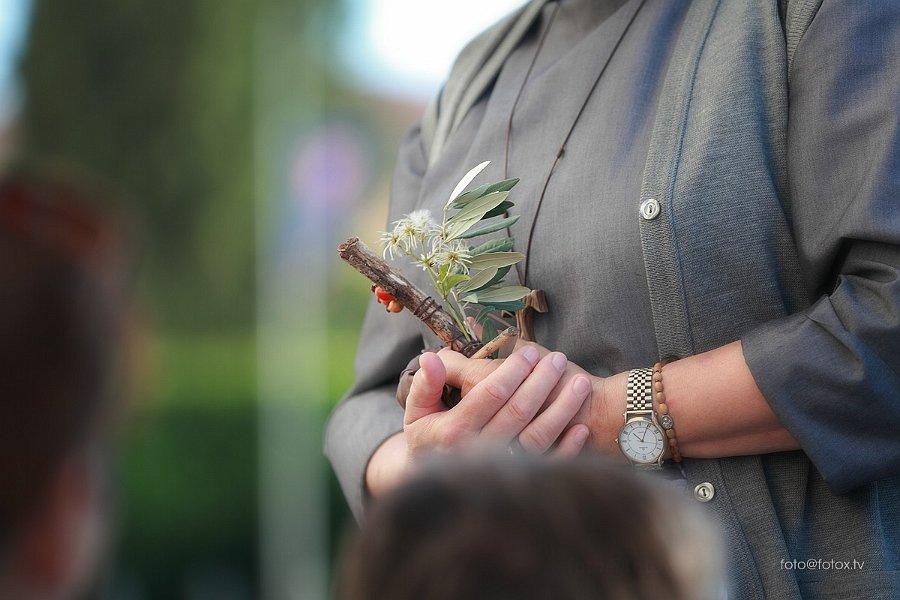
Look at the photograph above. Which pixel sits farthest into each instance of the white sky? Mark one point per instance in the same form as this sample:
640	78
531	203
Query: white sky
13	21
405	47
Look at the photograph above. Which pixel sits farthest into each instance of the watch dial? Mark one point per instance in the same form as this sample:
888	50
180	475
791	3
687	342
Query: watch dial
641	441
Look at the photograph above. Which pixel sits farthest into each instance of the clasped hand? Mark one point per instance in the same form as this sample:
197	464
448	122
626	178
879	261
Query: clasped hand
535	396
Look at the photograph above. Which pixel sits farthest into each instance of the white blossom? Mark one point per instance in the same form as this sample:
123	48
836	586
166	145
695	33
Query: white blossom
456	254
391	240
423	222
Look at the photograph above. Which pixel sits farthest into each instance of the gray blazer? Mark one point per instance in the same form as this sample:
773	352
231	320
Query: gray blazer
775	160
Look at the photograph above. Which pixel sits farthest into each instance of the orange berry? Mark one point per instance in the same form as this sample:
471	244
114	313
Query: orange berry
382	296
394	306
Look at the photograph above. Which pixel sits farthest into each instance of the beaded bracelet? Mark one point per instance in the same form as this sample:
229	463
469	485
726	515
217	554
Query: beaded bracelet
662	409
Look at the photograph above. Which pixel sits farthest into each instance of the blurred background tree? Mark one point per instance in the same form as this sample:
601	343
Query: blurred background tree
157	96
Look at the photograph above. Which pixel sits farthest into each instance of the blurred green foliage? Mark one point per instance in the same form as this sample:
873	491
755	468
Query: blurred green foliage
157	96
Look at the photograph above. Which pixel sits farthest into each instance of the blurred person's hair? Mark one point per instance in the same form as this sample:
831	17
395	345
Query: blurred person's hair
526	529
62	314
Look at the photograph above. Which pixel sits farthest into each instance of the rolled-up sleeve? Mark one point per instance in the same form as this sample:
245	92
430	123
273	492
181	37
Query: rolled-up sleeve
369	413
832	372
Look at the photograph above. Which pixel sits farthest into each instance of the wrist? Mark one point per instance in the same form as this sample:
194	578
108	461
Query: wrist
607	410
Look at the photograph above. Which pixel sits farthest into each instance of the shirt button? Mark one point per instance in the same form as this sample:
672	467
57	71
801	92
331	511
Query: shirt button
650	209
704	492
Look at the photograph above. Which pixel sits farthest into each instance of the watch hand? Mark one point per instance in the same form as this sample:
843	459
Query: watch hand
634	433
646	429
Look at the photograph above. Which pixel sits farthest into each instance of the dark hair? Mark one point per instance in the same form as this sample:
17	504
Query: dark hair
61	320
480	529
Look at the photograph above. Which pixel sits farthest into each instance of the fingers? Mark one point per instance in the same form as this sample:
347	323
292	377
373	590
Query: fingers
424	396
490	394
527	399
546	428
572	442
464	373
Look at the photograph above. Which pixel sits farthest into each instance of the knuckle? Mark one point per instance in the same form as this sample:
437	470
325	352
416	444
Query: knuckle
494	390
469	380
519	411
535	439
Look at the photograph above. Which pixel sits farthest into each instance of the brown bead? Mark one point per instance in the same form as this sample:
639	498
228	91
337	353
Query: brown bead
670	433
663	407
661	397
657	387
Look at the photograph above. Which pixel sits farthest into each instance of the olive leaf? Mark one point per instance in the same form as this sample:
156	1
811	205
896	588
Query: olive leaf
488	331
462	221
501	245
483	314
501	273
479	280
508	306
466	180
451	281
498	294
489	227
488	188
499	210
496	259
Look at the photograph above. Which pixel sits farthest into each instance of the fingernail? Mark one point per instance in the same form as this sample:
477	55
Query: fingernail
560	361
582	386
581	436
530	354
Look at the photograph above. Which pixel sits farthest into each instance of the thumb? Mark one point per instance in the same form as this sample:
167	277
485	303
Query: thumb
425	392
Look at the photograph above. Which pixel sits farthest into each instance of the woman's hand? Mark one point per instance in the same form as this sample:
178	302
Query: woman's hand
601	412
502	404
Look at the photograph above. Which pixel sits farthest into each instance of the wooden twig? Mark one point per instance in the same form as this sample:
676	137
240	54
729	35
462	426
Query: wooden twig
505	337
423	306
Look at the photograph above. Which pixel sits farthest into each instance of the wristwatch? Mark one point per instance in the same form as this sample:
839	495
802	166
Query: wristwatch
641	440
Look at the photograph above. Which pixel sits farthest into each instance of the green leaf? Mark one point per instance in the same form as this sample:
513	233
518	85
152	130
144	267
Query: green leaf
510	306
489	227
454	280
502	208
488	331
496	259
466	180
443	271
501	245
508	293
501	273
488	188
462	221
479	280
483	314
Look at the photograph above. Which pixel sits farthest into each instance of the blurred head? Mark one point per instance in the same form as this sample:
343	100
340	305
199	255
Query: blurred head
61	317
532	529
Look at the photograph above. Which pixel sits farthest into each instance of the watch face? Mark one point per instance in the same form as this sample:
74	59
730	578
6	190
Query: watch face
641	441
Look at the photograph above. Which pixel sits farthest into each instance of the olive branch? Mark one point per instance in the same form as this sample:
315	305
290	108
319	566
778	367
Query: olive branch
464	275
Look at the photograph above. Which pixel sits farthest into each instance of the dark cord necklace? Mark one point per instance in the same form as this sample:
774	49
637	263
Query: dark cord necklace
523	271
536	300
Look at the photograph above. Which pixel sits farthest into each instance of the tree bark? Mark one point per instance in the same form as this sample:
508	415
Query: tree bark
423	306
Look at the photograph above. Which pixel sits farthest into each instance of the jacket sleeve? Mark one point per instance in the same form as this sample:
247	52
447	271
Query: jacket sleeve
832	373
369	413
